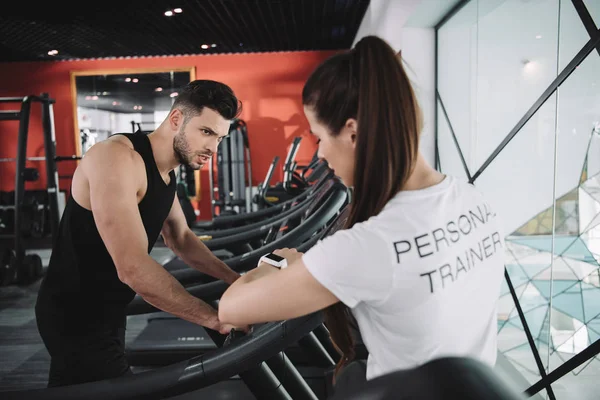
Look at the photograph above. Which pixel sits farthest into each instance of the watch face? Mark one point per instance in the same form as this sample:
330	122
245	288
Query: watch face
275	257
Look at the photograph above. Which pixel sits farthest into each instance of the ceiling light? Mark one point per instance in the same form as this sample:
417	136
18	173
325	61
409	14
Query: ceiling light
169	13
178	10
127	79
213	45
105	93
53	52
538	37
135	80
158	89
174	94
204	46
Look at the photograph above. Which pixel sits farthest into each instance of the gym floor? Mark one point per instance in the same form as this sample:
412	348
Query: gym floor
24	361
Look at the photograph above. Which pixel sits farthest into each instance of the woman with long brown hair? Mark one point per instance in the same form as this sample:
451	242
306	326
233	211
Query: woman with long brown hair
420	262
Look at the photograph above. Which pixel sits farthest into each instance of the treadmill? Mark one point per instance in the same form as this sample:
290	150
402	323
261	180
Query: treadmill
168	339
227	243
257	358
329	204
285	190
319	173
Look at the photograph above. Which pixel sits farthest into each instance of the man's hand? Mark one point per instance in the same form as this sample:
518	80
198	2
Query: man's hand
226	328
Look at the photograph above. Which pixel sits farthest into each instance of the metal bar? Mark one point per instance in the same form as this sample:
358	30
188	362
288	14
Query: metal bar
211	184
263	383
578	59
10	115
226	190
11	99
51	170
534	350
462	158
56	159
27	159
586	19
566	367
290	378
19	178
435	111
260	380
451	13
324	337
311	344
28	98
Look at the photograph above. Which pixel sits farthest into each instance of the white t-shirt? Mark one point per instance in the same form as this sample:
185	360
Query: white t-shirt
422	278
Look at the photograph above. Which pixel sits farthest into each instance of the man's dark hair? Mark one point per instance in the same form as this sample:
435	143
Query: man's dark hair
196	95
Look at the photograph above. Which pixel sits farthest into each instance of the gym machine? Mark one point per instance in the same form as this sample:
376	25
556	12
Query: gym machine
234	173
186	188
260	198
293	182
15	265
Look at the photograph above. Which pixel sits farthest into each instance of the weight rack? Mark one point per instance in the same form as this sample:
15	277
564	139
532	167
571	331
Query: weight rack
20	264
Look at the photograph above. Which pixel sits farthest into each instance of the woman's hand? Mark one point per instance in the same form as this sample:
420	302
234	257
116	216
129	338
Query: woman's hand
290	255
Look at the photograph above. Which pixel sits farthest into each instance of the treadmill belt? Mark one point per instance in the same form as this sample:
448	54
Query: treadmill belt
167	340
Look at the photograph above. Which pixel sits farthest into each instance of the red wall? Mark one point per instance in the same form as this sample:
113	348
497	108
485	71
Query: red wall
268	84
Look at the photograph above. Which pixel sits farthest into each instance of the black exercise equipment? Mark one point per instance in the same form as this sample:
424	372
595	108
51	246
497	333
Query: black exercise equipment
186	204
242	239
186	188
292	183
332	204
230	221
167	339
260	198
244	354
447	378
234	172
24	268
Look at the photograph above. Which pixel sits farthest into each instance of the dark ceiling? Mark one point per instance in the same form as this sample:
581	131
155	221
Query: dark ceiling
101	29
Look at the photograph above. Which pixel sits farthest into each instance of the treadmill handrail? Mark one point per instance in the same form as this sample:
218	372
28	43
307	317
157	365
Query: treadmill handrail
292	153
266	183
227	220
307	205
328	210
224	233
246	235
264	342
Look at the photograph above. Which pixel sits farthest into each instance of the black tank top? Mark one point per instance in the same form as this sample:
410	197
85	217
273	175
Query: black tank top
81	289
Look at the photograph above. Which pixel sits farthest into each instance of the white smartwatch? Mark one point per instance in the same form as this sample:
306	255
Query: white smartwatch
274	260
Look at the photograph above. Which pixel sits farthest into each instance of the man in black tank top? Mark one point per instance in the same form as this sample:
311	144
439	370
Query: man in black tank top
122	198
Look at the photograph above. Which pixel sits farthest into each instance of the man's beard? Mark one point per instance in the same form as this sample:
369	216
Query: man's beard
185	156
182	151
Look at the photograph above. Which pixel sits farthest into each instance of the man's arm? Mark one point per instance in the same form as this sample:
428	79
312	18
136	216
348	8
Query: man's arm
184	242
113	198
